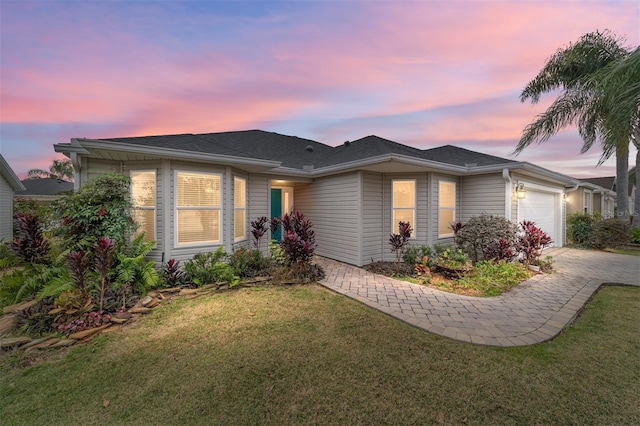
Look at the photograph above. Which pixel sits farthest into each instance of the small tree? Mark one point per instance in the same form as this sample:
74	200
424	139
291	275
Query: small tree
100	208
258	229
400	240
483	231
103	251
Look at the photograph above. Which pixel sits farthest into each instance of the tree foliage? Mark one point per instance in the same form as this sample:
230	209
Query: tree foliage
59	169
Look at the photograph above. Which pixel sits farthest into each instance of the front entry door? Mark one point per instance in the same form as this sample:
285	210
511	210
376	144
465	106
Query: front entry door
281	203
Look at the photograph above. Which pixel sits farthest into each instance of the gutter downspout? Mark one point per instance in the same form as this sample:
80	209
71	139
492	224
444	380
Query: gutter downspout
507	193
77	176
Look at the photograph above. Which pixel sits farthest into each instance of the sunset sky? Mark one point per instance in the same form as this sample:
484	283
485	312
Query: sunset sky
422	73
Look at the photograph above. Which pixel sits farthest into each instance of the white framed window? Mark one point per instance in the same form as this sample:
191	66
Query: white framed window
198	208
239	209
586	197
403	194
143	198
446	208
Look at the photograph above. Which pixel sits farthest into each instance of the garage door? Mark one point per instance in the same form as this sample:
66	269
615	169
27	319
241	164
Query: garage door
541	208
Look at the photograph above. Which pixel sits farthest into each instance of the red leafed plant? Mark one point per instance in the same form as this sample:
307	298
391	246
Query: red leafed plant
258	229
103	250
532	242
400	240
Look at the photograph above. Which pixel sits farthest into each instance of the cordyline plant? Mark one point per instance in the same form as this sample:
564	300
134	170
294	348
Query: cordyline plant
258	229
400	240
298	241
29	243
532	242
102	251
78	264
500	249
172	275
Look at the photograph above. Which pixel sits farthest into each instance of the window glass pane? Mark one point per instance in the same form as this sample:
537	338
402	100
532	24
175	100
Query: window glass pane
198	226
240	192
146	221
404	194
445	217
239	224
447	197
143	189
197	190
402	216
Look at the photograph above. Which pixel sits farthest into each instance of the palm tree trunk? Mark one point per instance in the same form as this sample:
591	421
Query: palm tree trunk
622	181
635	217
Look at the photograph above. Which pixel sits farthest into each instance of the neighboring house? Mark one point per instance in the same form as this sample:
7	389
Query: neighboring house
591	197
44	190
195	192
9	183
609	182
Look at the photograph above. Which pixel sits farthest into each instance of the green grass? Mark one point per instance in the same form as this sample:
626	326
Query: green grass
304	355
629	251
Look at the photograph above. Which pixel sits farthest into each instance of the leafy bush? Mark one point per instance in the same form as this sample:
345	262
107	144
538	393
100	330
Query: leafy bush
29	242
580	229
500	249
399	241
171	274
249	263
299	272
70	305
635	235
298	241
276	253
483	231
8	257
413	254
452	263
10	284
532	242
209	268
611	233
100	208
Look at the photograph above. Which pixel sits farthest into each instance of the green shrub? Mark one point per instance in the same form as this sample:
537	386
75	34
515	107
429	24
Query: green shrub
580	229
8	258
299	273
414	254
277	254
482	231
249	263
635	235
209	268
611	233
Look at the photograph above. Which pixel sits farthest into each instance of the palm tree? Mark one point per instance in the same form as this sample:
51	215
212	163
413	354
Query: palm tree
59	169
581	70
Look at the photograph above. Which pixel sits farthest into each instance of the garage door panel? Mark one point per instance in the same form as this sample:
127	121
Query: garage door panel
541	208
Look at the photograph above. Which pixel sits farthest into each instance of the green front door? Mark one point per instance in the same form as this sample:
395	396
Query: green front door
276	210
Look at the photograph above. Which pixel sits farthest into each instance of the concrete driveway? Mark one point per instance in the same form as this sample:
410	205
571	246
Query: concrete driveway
535	311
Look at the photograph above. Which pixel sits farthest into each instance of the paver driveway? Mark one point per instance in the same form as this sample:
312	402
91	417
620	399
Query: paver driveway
535	311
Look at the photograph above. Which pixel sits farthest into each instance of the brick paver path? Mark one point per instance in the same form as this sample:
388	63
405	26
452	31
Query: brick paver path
535	311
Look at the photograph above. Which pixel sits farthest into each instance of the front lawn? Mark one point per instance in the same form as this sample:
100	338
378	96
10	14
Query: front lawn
304	355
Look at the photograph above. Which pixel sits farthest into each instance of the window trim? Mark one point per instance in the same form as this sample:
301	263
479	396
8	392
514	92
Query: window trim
440	208
176	208
155	205
394	226
587	196
236	208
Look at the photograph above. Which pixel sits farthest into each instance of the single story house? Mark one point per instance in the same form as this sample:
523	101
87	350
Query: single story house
591	197
609	183
196	192
44	190
9	183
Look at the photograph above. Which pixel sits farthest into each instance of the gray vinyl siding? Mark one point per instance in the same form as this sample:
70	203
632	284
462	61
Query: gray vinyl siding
258	199
421	227
481	194
333	206
373	231
6	211
435	190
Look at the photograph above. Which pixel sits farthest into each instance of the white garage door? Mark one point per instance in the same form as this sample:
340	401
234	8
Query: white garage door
541	208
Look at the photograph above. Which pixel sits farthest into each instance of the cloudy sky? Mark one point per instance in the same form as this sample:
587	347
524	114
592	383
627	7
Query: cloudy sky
422	73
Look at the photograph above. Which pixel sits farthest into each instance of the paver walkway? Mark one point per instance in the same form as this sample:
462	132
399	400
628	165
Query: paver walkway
534	311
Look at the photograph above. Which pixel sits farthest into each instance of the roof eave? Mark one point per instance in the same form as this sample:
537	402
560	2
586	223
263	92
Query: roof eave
86	145
10	176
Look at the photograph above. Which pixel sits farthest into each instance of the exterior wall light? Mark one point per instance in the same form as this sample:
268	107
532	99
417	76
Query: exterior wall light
520	191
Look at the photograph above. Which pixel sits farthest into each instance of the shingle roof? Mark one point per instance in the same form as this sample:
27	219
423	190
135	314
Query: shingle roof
608	182
46	186
292	151
295	152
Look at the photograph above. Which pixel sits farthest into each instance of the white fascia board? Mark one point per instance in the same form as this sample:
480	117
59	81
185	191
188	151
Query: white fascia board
89	144
531	168
404	159
10	176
